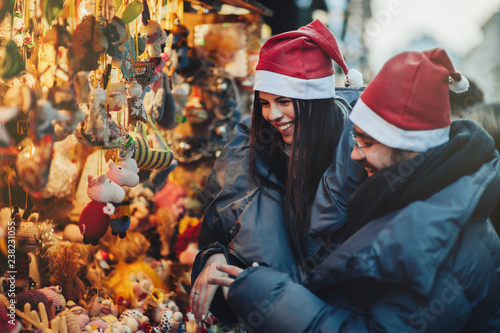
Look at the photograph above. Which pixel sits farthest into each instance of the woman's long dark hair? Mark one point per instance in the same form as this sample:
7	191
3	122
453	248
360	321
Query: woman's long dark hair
316	134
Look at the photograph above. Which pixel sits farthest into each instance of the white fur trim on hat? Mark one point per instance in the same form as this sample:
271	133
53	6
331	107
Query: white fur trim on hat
292	87
394	137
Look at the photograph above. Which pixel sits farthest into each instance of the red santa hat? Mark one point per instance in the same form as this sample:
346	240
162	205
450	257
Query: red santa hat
406	106
298	64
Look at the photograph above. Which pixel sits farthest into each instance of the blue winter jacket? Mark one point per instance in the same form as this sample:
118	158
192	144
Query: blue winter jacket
245	220
433	266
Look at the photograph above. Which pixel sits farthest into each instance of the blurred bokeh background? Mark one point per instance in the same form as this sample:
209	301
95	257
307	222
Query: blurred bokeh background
372	31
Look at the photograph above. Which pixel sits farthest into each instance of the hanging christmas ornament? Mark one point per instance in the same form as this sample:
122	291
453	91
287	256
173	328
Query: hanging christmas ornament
88	44
12	63
131	12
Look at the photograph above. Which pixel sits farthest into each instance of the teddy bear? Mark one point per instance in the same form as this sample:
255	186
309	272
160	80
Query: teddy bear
94	219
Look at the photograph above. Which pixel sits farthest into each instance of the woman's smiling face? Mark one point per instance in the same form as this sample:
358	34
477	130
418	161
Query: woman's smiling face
279	111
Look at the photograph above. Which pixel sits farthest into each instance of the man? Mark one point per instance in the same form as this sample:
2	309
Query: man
420	254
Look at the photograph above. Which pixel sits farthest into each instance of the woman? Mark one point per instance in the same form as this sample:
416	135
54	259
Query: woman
264	182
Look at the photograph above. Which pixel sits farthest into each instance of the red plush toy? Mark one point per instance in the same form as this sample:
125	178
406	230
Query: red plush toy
94	219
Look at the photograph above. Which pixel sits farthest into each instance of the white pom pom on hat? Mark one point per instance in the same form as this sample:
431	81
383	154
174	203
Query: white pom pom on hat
354	78
458	83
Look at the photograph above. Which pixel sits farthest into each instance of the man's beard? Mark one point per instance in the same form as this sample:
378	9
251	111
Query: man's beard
397	156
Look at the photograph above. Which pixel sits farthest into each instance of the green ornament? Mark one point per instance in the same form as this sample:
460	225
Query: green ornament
131	12
12	64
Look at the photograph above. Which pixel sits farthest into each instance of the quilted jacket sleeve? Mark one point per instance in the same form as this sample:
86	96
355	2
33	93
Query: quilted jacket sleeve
268	301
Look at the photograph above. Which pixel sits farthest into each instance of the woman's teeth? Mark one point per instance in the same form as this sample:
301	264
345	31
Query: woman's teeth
285	127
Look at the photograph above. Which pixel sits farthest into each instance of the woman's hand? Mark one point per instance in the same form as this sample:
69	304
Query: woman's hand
202	292
225	281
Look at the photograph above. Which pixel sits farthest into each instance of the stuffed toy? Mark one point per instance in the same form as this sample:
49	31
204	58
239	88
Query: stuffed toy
120	220
70	319
94	219
171	196
43	323
142	285
153	33
163	311
51	292
118	327
178	37
191	326
187	256
126	152
99	128
102	310
136	110
154	36
133	319
72	266
101	305
121	175
101	323
116	34
33	298
170	321
157	156
81	314
122	281
165	224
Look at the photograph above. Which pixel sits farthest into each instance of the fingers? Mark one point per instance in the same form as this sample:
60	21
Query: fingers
221	281
229	269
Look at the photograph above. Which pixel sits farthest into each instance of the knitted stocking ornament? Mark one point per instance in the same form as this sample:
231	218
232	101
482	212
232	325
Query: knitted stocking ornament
136	110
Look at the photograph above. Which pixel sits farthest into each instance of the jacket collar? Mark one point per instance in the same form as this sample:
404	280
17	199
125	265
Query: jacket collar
409	246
